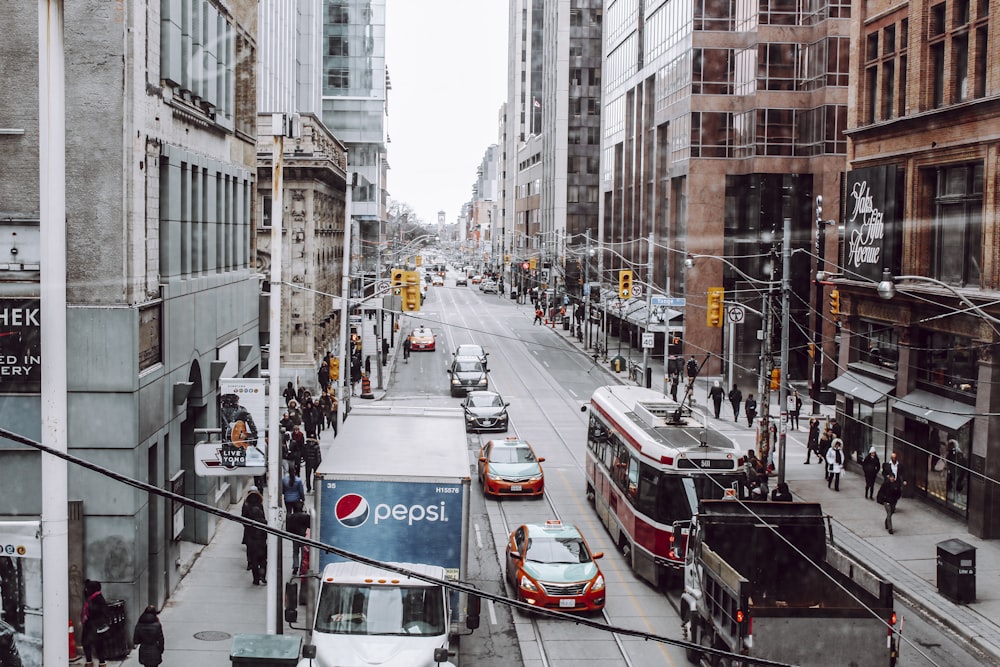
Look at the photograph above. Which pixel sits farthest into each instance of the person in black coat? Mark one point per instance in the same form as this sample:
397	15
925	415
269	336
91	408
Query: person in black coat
751	409
298	523
781	493
888	496
735	400
256	541
812	446
871	466
312	456
289	393
96	619
716	393
148	636
254	497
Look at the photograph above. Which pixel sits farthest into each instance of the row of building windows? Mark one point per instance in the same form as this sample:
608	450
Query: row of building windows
204	215
777	132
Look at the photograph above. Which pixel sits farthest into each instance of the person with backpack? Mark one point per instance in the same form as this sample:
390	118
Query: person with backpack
148	636
312	456
292	491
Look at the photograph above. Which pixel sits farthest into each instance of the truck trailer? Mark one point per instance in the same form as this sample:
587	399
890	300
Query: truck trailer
394	487
762	580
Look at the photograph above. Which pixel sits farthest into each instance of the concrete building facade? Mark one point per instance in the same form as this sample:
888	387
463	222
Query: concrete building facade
162	295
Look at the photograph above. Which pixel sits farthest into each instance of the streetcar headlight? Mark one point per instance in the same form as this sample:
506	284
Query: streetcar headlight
598	584
528	584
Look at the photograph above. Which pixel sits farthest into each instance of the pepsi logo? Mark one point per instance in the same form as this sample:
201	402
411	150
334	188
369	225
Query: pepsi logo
352	510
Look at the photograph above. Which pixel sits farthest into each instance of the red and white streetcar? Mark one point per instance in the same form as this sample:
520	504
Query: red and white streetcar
649	462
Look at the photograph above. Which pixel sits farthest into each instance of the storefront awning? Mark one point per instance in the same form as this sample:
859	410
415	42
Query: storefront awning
860	387
945	413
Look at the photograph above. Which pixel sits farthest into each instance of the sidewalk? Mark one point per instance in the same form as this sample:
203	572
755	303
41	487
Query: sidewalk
908	558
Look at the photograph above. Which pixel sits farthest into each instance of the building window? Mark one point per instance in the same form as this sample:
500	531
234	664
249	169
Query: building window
876	343
947	360
958	228
337	78
937	67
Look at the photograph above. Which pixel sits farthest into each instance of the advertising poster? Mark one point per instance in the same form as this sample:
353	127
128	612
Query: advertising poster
20	594
242	425
20	346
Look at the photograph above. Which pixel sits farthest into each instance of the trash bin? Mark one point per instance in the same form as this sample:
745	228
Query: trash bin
956	570
565	324
265	650
117	643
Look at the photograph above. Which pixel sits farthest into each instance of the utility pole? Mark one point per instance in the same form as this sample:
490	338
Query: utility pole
646	375
786	288
766	360
586	285
817	371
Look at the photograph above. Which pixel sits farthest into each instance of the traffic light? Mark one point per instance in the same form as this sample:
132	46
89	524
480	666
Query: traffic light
411	291
397	281
716	295
835	302
335	368
506	259
625	284
418	260
775	379
532	263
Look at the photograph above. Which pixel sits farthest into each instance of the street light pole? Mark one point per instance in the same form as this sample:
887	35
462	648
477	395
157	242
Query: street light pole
817	374
646	375
786	288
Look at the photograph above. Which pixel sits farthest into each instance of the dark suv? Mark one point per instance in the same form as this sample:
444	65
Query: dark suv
467	374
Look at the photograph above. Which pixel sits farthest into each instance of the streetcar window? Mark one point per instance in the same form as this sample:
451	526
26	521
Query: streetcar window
633	476
674	501
649	481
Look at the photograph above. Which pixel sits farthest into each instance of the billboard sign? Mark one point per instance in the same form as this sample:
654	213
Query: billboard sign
20	346
873	233
241	449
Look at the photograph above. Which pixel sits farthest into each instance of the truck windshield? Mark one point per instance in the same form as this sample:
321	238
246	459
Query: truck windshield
380	610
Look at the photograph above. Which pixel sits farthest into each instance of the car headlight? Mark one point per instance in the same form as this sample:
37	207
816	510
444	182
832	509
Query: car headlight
494	477
535	478
528	584
598	584
482	380
456	381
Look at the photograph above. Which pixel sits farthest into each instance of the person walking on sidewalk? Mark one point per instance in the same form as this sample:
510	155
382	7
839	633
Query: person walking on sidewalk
96	623
538	316
871	467
148	636
812	444
716	393
794	407
751	409
825	441
888	496
312	455
292	491
257	545
254	497
835	464
298	523
735	400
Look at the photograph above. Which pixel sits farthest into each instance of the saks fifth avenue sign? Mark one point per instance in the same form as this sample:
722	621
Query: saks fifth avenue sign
864	245
872	230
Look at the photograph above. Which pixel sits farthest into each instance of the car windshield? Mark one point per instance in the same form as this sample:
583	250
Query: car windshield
469	351
486	401
380	610
421	333
512	455
557	550
470	366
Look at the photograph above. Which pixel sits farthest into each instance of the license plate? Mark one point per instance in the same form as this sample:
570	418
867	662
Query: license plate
515	487
567	603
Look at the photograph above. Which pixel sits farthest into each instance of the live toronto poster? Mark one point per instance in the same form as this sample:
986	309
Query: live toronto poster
20	594
20	346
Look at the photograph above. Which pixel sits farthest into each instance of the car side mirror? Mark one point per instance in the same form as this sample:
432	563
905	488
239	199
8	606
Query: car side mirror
599	554
540	459
507	404
482	459
515	555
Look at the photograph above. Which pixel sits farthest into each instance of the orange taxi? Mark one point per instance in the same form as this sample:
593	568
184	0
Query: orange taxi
422	338
509	467
550	566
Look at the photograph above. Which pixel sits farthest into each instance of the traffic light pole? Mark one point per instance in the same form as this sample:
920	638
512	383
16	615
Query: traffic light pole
646	375
817	371
786	288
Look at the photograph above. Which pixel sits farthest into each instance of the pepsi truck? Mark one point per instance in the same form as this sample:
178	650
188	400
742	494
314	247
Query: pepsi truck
393	487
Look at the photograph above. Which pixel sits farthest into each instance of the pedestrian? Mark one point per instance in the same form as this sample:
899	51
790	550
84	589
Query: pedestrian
781	493
675	380
692	368
368	366
891	466
298	523
308	416
538	316
888	496
293	452
794	407
148	636
331	416
312	455
735	399
95	621
751	409
407	346
289	393
825	440
355	375
294	412
325	402
835	463
756	477
812	444
254	497
292	491
256	540
871	466
716	394
323	375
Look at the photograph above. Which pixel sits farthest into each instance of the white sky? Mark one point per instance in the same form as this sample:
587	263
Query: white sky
447	63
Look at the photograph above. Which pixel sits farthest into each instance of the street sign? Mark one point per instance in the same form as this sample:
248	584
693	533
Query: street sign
669	301
736	314
637	291
382	286
648	340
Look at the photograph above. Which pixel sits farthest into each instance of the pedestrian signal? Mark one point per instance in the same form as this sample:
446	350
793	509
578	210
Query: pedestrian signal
716	296
625	284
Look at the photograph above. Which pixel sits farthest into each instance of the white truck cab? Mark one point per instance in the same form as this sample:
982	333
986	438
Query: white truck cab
369	616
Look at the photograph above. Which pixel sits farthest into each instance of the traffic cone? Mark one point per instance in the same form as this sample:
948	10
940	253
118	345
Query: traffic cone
73	655
366	387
